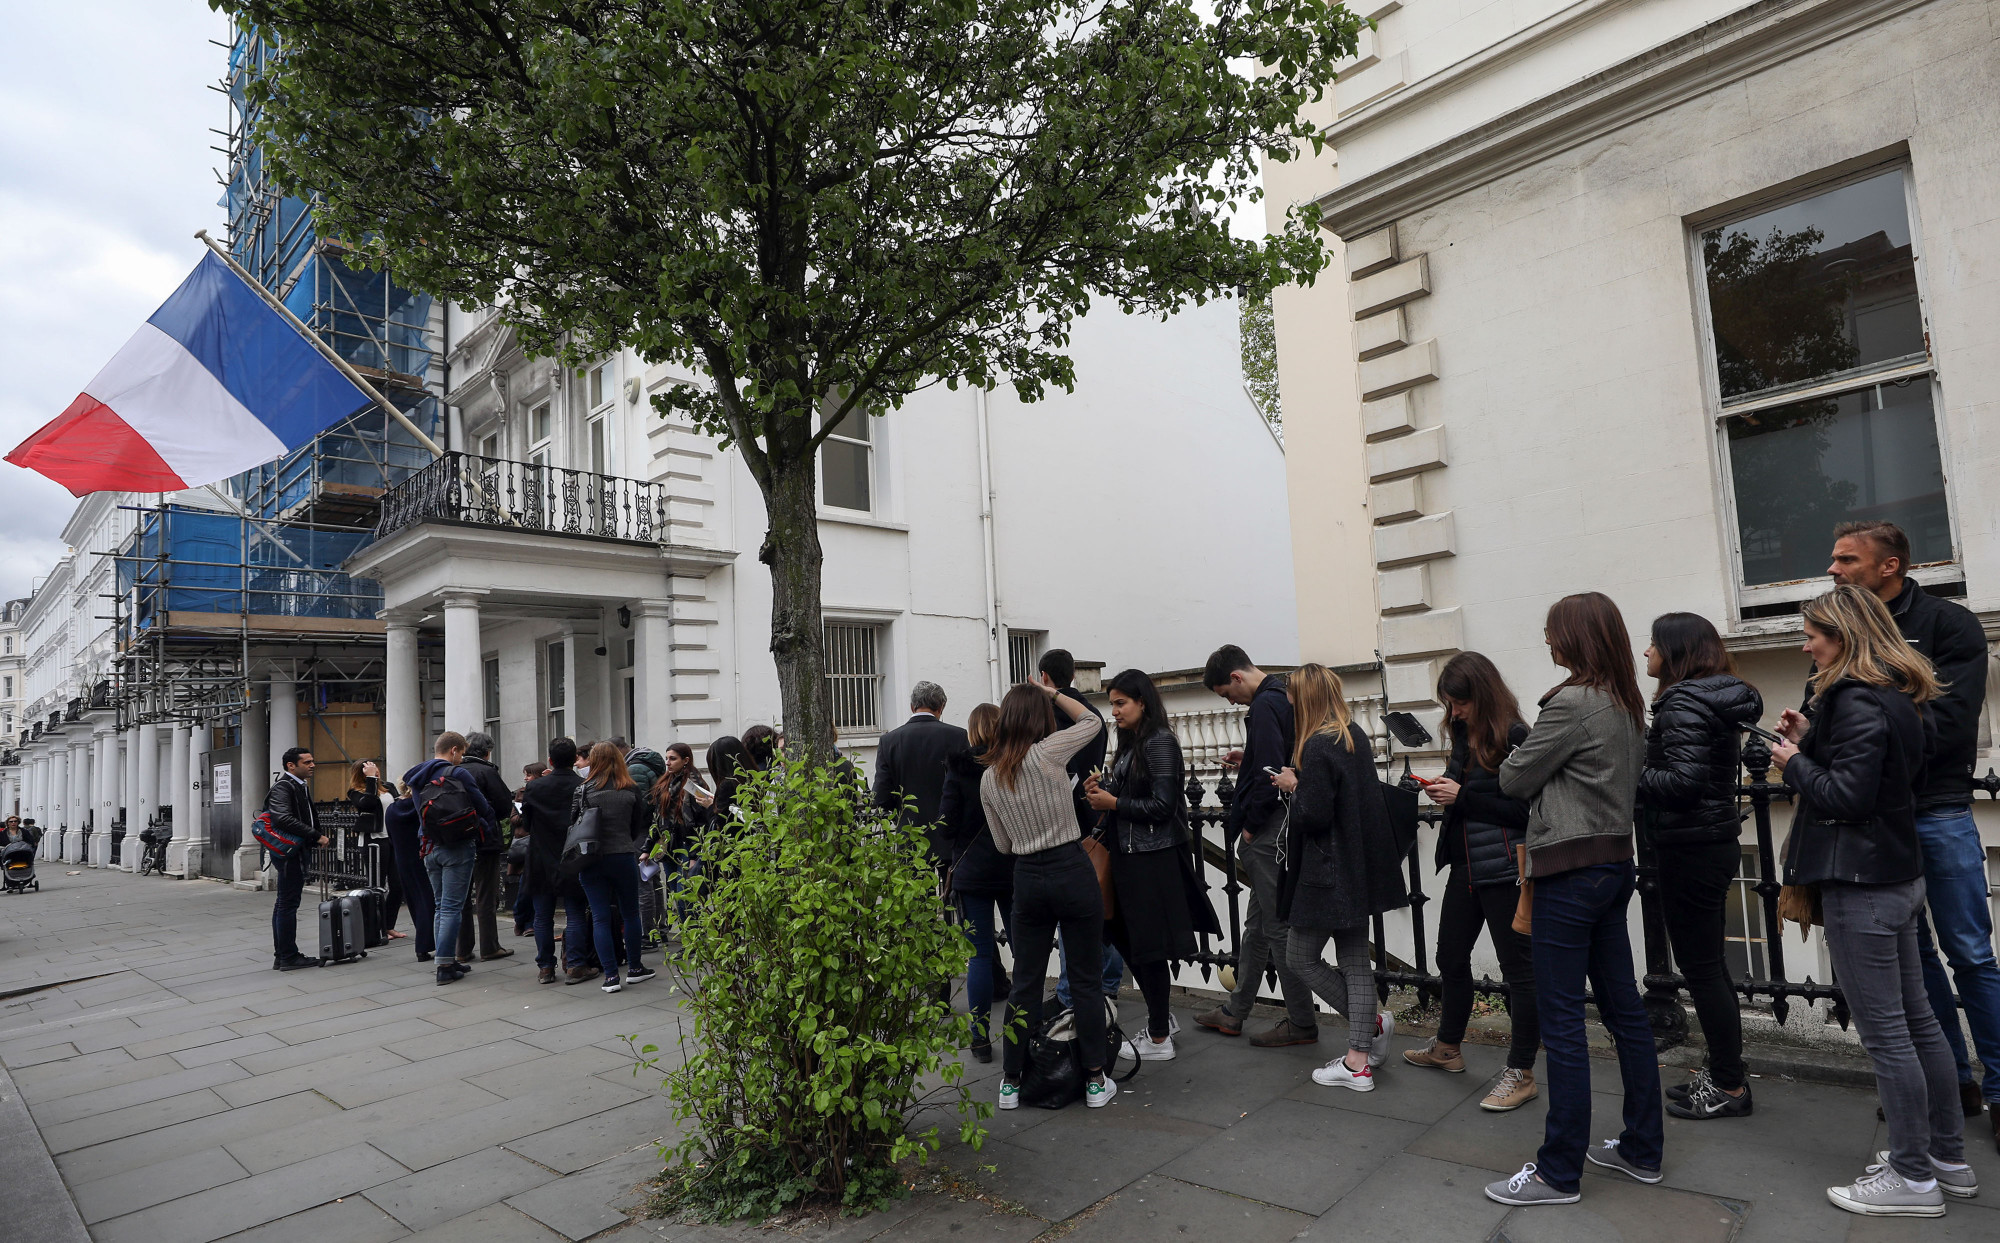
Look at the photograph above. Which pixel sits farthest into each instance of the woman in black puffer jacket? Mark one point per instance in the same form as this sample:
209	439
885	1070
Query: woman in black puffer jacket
1687	791
1476	844
1147	834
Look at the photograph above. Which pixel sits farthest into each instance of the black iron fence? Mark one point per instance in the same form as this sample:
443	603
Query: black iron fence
470	490
1215	864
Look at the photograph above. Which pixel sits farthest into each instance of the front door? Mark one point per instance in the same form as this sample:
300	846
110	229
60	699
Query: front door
224	817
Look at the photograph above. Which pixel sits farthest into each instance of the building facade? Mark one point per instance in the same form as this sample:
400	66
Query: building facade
1644	298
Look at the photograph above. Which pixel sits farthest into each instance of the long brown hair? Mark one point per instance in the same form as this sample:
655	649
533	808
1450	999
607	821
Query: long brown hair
1689	647
1319	706
1473	680
607	768
1587	636
980	725
1026	717
672	786
1872	650
356	779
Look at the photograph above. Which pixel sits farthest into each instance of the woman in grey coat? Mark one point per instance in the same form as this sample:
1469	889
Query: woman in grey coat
1341	868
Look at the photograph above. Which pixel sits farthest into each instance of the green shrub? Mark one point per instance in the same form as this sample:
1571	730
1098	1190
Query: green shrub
812	954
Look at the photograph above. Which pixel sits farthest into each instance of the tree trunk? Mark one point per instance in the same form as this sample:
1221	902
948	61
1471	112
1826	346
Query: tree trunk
798	644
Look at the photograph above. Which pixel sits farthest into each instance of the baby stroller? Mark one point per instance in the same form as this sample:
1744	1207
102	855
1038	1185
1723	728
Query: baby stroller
17	865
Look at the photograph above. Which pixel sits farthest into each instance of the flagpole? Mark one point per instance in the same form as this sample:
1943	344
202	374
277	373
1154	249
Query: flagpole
346	368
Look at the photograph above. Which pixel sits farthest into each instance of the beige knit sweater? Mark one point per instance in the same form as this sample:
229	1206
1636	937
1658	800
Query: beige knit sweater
1039	813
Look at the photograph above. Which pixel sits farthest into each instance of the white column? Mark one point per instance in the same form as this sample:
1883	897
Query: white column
254	782
76	770
103	752
183	796
463	710
135	820
402	728
200	739
652	657
146	799
284	718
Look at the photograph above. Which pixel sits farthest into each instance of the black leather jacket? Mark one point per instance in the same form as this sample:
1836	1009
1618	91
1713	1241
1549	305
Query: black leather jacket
1693	750
1482	826
290	805
1149	780
1856	775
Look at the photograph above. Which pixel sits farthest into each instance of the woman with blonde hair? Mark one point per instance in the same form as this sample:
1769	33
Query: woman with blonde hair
1856	765
1340	867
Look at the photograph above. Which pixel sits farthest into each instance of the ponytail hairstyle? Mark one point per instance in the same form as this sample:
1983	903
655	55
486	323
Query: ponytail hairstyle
1587	636
1872	650
1319	706
1471	679
1026	717
1689	647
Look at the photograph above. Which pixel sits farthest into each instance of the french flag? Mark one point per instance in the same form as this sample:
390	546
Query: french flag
216	382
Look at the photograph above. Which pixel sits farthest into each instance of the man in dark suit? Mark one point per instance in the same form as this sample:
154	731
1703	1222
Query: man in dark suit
910	764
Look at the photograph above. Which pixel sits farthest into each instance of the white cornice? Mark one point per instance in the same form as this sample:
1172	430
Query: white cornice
1723	51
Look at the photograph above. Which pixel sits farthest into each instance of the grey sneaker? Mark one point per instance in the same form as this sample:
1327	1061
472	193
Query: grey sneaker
1608	1156
1527	1188
1963	1182
1882	1193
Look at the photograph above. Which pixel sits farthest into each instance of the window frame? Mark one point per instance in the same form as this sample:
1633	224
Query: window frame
490	698
555	688
1037	642
880	658
1745	595
869	447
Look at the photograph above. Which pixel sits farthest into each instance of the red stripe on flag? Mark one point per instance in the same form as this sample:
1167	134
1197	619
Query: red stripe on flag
88	448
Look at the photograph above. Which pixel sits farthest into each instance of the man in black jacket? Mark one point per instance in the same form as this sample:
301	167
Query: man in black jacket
1254	816
485	901
1875	556
545	804
910	764
291	810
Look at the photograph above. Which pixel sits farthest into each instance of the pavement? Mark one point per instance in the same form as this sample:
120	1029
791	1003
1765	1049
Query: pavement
183	1092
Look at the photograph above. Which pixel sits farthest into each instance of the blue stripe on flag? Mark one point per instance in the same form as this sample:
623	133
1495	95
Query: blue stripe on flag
258	357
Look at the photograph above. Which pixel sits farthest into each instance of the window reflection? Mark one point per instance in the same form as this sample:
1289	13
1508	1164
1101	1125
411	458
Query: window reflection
1814	288
1801	469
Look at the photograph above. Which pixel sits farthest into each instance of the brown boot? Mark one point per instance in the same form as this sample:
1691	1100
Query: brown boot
1285	1033
1514	1089
502	952
547	975
1430	1056
578	975
1221	1020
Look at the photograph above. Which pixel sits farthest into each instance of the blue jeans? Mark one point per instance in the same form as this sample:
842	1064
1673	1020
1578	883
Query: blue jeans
450	870
576	932
980	912
285	915
1580	932
1955	877
612	885
1114	972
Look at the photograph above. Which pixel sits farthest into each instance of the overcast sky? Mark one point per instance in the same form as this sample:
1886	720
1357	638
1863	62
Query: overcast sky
105	174
106	171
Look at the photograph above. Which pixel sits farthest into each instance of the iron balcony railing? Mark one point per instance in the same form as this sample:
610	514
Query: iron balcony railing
470	490
1215	858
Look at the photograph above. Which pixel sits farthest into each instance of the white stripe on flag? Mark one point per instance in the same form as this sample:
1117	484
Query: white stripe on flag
194	424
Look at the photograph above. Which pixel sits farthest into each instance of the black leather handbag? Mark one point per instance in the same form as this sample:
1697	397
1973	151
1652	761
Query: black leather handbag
583	844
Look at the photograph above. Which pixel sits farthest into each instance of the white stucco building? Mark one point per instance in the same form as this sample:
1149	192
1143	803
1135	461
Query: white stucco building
1644	296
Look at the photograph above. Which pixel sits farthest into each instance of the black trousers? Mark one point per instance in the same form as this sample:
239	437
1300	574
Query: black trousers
1054	889
291	871
1465	911
1694	898
484	904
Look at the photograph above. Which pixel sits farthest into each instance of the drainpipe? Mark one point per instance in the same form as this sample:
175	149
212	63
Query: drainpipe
986	536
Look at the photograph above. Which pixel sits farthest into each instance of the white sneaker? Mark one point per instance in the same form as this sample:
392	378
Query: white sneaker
1151	1050
1336	1074
1010	1095
1098	1092
1385	1028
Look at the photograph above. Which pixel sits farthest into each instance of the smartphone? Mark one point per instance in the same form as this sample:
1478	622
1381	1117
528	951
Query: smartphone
1422	781
1765	734
1270	770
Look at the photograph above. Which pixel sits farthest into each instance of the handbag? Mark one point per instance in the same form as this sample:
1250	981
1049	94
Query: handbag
1524	906
1799	904
581	845
1100	860
1054	1074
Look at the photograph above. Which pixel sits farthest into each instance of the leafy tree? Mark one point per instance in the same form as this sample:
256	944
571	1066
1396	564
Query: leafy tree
1260	358
823	205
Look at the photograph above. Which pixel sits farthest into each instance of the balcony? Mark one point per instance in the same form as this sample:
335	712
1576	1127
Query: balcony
465	489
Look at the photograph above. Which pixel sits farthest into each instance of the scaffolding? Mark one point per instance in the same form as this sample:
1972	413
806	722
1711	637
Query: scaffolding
212	600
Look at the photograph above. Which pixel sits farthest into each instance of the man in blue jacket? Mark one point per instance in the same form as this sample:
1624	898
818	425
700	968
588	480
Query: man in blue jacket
449	863
1254	816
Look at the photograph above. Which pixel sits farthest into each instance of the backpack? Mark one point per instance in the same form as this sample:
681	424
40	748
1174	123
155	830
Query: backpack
280	842
446	812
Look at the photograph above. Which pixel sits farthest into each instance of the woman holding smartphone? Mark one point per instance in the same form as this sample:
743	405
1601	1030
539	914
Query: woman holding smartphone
366	791
1579	769
1855	766
1145	828
1032	816
1478	844
1688	788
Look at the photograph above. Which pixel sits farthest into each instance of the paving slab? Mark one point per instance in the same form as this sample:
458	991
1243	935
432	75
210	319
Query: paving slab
496	1223
962	1221
237	1206
1078	1156
376	1085
587	1141
133	1120
1409	1197
133	1152
1157	1206
313	1136
38	1206
444	1138
155	1183
352	1220
332	1068
1293	1154
1615	1209
589	1201
521	1078
455	1188
154	1087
